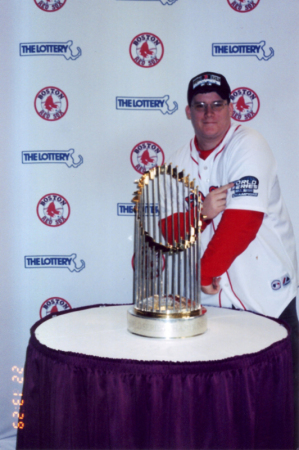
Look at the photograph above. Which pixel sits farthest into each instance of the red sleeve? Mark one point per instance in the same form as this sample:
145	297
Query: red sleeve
178	219
235	231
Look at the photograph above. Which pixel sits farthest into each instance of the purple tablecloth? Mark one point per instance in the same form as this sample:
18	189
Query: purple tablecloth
74	401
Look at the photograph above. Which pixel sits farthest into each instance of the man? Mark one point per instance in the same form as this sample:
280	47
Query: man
248	246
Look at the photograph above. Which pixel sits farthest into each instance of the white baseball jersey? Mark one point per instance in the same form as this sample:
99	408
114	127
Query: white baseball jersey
264	277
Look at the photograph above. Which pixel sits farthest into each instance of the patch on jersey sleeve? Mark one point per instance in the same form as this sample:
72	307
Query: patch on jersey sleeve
246	186
283	282
275	285
286	280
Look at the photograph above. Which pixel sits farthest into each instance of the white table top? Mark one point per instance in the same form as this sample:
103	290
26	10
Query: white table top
102	331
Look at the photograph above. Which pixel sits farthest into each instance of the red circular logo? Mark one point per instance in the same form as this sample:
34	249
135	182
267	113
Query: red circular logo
53	210
50	5
51	103
146	155
243	6
53	305
146	50
246	104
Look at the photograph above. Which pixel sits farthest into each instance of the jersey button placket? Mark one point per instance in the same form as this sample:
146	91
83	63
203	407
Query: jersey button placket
205	173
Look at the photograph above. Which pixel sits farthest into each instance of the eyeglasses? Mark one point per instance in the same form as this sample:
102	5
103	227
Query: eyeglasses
216	106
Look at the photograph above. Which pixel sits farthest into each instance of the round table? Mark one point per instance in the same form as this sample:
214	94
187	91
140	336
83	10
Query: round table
89	383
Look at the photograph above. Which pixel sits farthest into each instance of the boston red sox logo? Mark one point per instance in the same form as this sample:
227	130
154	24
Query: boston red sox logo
53	305
50	5
146	50
53	210
146	155
243	6
246	104
51	103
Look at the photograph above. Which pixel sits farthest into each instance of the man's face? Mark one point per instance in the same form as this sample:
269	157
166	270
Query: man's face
210	125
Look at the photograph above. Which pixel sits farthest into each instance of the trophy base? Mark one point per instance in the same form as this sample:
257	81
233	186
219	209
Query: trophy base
165	328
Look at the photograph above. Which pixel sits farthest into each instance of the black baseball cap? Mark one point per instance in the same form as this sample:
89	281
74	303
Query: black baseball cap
208	82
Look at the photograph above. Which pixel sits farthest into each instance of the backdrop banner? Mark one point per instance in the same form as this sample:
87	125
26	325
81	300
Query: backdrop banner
93	94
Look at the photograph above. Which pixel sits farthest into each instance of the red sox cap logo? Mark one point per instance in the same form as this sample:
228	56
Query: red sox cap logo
246	104
53	210
51	103
53	305
146	155
50	5
243	6
146	50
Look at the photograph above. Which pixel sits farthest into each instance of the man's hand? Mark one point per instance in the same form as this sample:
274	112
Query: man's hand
213	288
215	202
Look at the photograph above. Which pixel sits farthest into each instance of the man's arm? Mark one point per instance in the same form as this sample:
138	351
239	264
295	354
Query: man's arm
213	204
235	231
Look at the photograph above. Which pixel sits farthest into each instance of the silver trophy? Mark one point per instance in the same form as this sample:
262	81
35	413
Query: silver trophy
166	287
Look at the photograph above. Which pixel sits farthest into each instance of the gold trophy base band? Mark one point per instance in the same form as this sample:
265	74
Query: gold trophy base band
165	328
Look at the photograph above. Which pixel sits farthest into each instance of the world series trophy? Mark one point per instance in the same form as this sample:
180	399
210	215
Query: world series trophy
166	283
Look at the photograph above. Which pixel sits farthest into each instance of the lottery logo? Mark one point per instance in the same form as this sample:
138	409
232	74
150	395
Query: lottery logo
146	50
146	155
246	104
53	210
53	305
154	265
50	5
243	6
51	103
